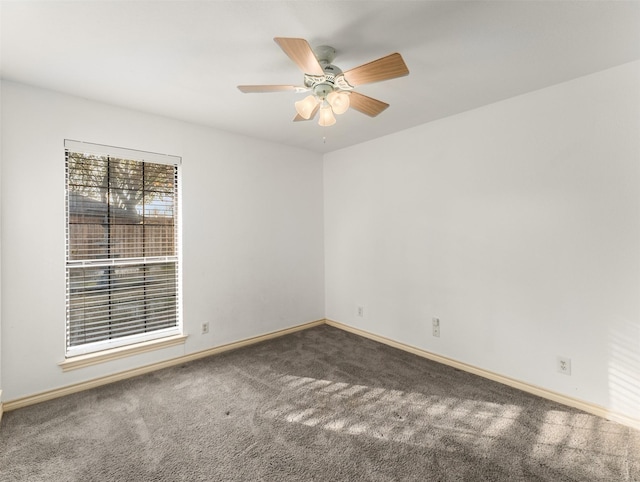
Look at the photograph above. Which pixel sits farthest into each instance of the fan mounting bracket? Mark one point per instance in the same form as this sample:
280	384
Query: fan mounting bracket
325	54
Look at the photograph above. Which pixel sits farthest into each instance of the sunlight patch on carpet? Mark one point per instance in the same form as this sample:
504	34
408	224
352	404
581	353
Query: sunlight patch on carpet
449	423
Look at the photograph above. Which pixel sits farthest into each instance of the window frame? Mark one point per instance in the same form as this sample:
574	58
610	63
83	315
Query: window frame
130	340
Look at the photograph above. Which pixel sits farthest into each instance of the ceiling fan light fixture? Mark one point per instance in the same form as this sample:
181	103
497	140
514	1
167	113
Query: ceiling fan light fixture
306	106
326	116
339	102
332	88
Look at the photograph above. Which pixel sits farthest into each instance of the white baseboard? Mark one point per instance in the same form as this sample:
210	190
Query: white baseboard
96	382
525	387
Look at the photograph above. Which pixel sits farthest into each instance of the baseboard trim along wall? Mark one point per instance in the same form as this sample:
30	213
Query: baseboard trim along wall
97	382
525	387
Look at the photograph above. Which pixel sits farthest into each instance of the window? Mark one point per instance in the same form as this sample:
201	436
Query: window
122	258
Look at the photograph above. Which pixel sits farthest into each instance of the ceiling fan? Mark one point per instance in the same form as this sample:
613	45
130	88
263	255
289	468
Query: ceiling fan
332	90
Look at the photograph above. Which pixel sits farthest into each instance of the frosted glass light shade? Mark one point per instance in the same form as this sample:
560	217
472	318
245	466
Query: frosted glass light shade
339	102
305	106
326	116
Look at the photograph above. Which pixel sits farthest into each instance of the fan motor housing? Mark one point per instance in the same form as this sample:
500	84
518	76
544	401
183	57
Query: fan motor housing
333	78
331	70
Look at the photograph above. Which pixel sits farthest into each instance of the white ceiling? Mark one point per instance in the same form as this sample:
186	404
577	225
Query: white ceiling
184	59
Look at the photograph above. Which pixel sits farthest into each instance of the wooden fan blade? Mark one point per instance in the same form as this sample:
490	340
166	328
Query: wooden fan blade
252	89
385	68
366	105
299	118
300	52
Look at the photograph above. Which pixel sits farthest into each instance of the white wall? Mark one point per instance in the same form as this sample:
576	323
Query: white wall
518	224
252	232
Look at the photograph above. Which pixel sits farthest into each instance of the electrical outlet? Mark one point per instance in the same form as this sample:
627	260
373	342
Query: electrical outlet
436	327
564	365
360	311
205	328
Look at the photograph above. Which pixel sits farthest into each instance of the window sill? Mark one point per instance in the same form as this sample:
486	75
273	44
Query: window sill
89	359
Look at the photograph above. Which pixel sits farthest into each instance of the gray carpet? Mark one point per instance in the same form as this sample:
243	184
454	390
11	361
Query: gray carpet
321	404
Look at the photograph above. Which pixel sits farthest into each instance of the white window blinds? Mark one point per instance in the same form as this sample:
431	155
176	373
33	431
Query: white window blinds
122	247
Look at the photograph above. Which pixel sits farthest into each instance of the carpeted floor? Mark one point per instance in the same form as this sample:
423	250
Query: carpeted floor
320	404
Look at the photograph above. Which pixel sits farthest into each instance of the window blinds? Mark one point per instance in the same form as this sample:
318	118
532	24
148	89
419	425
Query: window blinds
122	248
